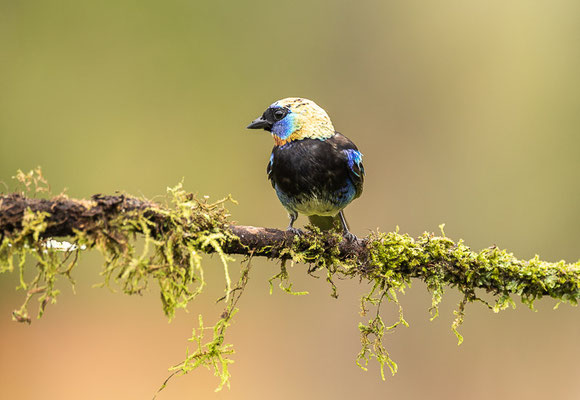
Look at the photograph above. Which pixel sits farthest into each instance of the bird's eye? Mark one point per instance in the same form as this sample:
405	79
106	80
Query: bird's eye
279	114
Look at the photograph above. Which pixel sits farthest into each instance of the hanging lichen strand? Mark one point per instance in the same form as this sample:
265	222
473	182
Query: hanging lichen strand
175	236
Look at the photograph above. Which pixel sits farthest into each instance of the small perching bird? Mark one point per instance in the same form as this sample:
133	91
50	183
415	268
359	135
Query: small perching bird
315	170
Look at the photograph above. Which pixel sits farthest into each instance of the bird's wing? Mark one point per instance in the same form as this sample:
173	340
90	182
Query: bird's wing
353	159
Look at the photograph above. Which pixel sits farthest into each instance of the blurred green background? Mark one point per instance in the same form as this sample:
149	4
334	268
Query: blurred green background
467	113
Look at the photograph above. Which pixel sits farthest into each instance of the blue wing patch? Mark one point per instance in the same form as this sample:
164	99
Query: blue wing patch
356	169
354	159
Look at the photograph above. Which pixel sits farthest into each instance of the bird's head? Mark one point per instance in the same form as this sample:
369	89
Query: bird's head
294	118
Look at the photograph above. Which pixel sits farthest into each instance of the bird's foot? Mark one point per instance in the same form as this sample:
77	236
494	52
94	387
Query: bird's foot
350	237
294	231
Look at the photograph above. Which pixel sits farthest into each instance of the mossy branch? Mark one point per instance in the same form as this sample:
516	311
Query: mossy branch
177	234
428	257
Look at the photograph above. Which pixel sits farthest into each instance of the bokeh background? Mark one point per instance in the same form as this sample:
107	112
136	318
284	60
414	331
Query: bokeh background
467	113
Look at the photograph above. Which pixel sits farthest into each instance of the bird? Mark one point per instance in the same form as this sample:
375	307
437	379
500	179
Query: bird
314	170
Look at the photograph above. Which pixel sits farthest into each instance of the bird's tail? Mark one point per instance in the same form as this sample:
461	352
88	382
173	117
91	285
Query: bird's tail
325	223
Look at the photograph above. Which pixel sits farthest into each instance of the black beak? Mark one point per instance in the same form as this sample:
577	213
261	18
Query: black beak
260	123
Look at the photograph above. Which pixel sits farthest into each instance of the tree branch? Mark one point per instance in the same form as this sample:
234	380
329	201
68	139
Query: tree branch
493	270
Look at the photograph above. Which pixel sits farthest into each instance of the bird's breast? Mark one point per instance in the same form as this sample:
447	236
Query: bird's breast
311	177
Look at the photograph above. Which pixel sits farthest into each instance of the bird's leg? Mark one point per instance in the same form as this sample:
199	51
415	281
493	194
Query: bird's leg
293	216
351	237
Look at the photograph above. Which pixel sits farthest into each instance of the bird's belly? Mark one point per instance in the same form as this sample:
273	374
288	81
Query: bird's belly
317	206
317	202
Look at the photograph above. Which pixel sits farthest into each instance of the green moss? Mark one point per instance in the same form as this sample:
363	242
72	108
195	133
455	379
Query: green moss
441	262
136	252
50	264
284	279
